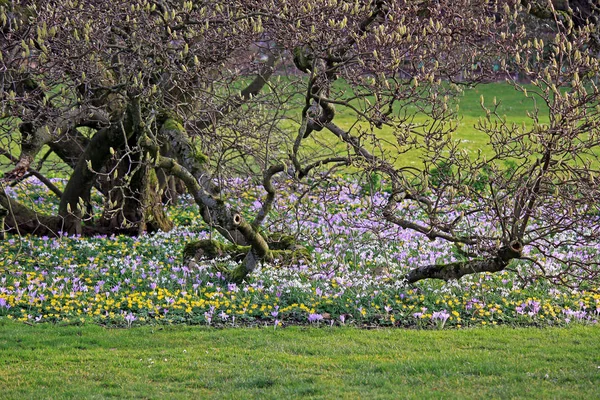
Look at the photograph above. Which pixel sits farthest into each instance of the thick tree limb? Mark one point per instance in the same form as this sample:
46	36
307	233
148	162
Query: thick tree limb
287	252
69	147
23	220
226	220
215	212
85	173
459	269
176	137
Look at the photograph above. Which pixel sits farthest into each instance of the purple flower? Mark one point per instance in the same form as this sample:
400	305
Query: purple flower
315	317
440	315
519	310
257	205
532	308
232	287
129	318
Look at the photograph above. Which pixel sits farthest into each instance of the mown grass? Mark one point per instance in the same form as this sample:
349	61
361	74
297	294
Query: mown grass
52	362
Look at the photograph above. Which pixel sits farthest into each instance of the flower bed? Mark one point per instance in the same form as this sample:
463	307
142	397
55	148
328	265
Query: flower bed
354	277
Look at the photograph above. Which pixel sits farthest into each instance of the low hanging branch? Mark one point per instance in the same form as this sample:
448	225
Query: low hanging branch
33	172
24	220
445	272
248	244
459	269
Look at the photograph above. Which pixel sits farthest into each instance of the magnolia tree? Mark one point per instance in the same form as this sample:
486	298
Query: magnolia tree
133	97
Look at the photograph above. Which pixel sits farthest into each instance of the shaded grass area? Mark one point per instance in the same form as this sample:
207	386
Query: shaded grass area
50	362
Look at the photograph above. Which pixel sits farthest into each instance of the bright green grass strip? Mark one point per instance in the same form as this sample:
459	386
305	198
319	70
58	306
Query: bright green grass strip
50	362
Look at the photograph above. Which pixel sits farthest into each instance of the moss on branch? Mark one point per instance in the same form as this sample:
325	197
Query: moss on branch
211	249
3	214
285	252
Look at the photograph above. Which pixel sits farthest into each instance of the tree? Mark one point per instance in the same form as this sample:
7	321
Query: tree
130	95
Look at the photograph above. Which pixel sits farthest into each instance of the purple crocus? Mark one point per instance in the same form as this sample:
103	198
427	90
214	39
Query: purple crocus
440	315
315	317
129	318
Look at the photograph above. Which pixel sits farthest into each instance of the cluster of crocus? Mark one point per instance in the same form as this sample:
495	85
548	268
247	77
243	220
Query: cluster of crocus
353	278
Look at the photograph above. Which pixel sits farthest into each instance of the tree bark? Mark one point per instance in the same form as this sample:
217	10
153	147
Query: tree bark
3	214
459	269
70	147
219	215
22	220
285	251
77	190
134	202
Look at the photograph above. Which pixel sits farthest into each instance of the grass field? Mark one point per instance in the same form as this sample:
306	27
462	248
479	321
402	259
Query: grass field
53	362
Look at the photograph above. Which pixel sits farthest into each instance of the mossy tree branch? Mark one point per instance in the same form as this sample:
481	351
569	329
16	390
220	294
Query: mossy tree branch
21	219
270	197
283	251
227	221
175	135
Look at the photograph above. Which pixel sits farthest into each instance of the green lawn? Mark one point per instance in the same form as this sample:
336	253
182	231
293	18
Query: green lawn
52	362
